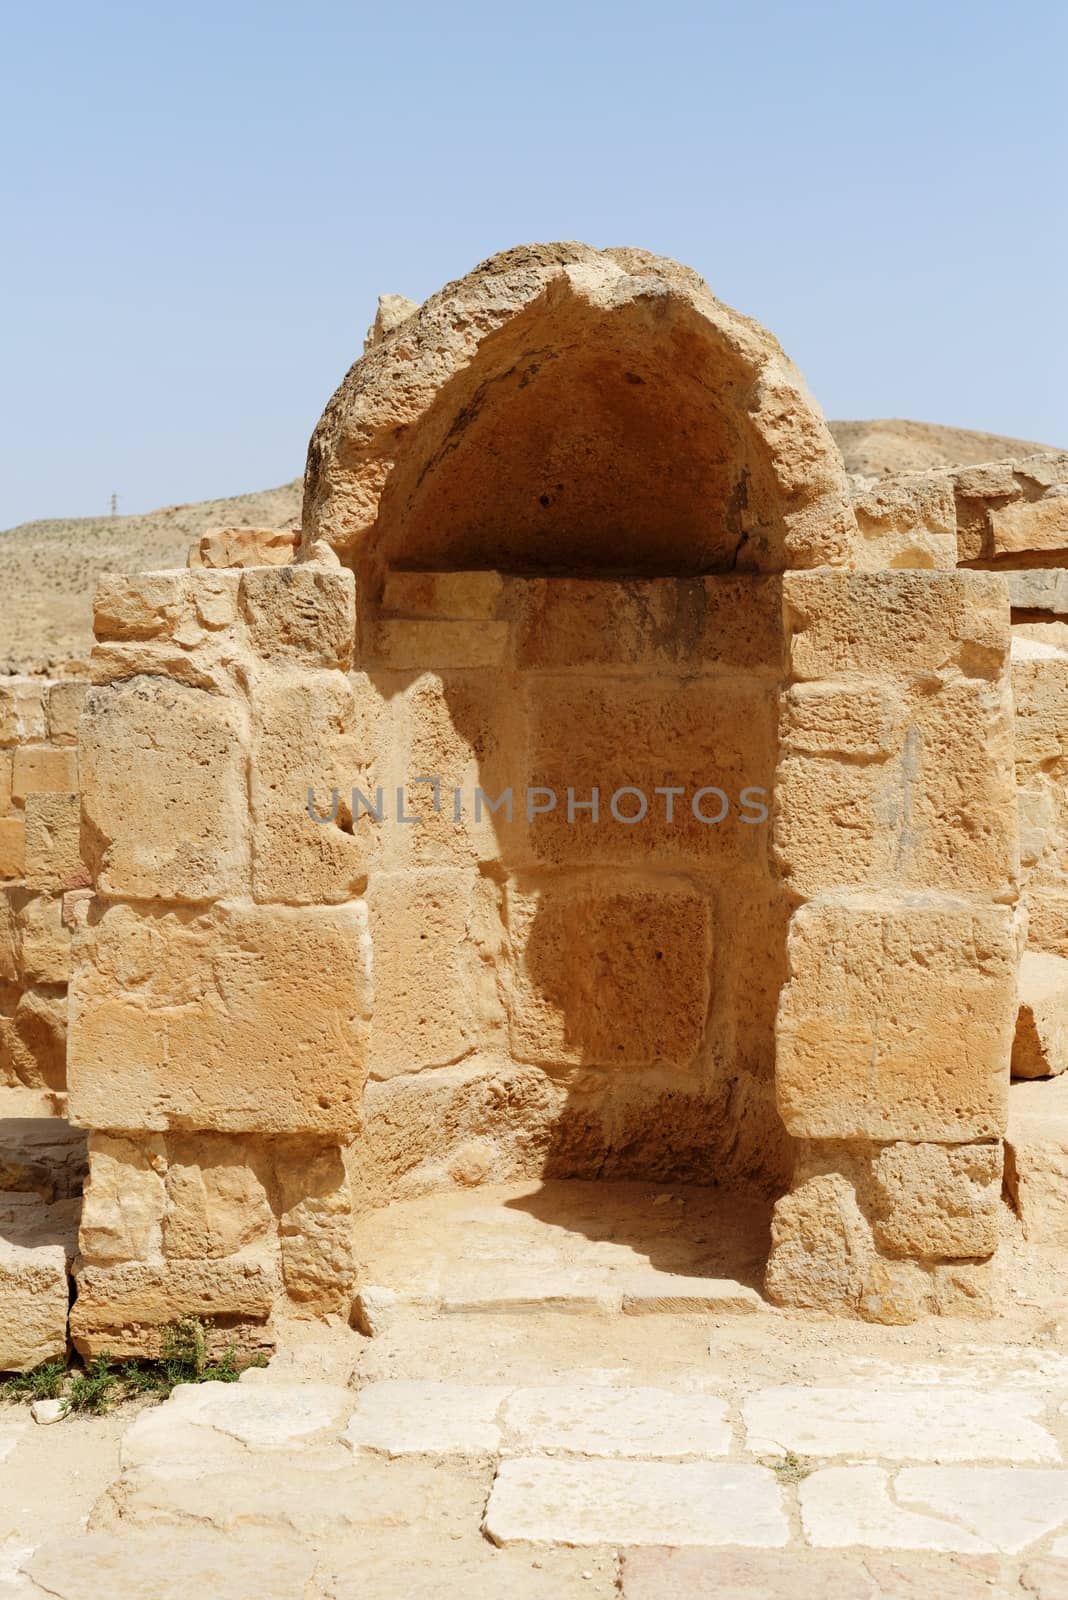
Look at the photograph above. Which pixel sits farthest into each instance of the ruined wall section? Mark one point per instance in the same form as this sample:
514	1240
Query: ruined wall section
896	833
585	998
42	887
220	992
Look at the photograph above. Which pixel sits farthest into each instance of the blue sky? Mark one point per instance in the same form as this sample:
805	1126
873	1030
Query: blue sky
202	202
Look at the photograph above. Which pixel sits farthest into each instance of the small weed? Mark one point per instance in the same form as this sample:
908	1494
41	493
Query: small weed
45	1383
104	1383
790	1467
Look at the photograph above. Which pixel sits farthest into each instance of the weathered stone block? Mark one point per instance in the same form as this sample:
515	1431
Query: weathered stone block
898	1019
45	942
122	1309
216	1196
467	596
906	523
64	702
863	721
934	1200
40	769
411	645
1039	589
713	624
304	737
7	762
821	1245
304	614
240	1019
437	938
124	1201
315	1227
1029	525
33	1304
1047	926
165	791
1040	692
245	547
1040	1048
22	716
711	740
12	848
609	975
53	842
896	624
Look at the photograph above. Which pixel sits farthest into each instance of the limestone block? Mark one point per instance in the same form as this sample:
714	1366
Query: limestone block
896	624
45	942
609	974
33	1303
1036	1159
897	1021
7	763
712	624
22	716
64	702
164	791
462	596
238	1019
1040	1048
937	1200
245	547
304	614
431	643
124	1200
53	842
216	1198
132	1565
462	729
863	721
612	734
894	1293
592	1421
175	605
1040	691
437	938
315	1227
1035	809
906	522
10	940
304	736
39	769
1039	589
1024	525
821	1245
121	1309
12	848
33	1046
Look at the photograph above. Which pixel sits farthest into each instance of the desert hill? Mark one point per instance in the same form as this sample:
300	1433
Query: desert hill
49	569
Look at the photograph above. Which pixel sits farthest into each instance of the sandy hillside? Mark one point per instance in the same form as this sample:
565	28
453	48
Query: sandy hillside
48	570
891	445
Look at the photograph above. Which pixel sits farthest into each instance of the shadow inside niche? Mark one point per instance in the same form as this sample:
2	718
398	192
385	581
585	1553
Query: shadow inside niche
688	1231
43	1165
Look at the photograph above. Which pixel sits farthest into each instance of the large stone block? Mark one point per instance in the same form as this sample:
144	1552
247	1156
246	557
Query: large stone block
41	769
896	624
64	701
240	1019
216	1196
315	1227
12	848
1040	1048
714	624
124	1200
609	974
44	941
53	843
305	738
1024	525
898	1019
437	939
710	740
460	596
1040	691
33	1303
821	1245
165	791
931	1200
410	644
121	1310
904	523
304	615
22	716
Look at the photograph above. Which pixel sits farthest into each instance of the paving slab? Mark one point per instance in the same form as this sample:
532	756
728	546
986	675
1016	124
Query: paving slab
592	1420
1009	1507
674	1294
854	1506
537	1500
659	1573
212	1423
902	1424
171	1565
399	1417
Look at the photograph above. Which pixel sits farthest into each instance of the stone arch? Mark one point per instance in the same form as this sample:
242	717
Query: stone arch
562	409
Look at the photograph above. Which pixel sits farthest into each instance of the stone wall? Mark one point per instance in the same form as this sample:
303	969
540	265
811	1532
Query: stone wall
43	887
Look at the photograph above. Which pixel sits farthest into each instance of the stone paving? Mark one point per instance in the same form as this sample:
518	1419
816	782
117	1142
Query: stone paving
329	1479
